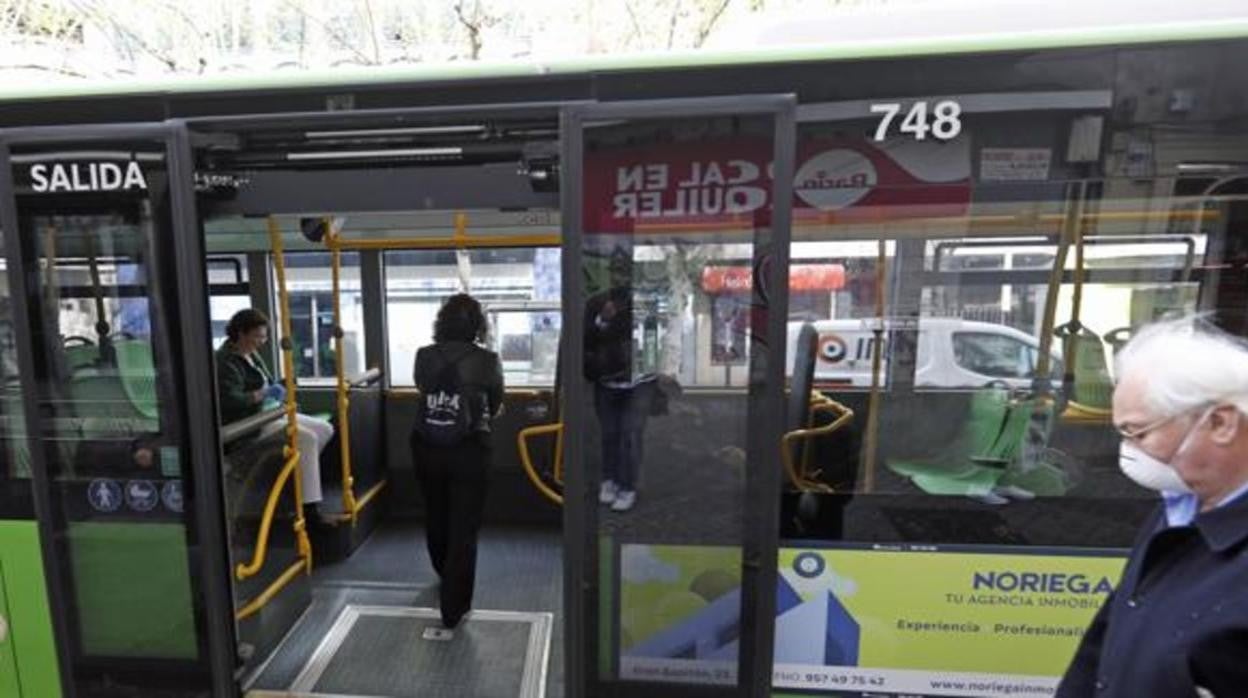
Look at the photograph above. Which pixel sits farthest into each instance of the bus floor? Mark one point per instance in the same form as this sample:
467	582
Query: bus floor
387	594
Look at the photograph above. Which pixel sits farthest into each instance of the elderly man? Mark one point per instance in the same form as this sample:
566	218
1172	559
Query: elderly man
1177	625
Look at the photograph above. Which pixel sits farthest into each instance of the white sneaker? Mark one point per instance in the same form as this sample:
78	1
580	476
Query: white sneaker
1014	492
438	634
608	492
990	498
624	501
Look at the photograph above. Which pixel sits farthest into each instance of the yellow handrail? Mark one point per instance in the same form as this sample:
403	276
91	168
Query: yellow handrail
291	467
266	521
252	607
291	451
1079	413
877	362
350	507
802	480
452	242
522	444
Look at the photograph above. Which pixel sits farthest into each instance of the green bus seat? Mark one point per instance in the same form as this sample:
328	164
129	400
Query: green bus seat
973	463
986	454
80	356
138	376
1093	387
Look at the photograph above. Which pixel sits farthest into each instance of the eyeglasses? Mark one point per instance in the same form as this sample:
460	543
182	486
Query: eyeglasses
1137	434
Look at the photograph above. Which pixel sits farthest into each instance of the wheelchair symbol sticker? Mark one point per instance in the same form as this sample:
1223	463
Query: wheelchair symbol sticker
104	495
171	495
141	495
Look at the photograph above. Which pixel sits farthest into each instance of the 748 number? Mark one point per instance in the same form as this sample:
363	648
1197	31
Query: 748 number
942	120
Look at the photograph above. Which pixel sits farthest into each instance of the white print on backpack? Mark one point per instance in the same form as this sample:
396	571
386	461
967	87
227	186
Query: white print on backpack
441	409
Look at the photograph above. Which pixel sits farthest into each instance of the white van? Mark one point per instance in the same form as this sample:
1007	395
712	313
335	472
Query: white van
952	353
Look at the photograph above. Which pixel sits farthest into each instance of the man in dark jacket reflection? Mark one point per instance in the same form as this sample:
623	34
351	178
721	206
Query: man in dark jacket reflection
1177	625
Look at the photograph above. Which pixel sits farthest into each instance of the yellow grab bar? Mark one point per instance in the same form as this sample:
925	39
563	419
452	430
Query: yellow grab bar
1079	413
522	444
363	502
877	365
291	451
267	595
801	479
349	505
266	521
451	242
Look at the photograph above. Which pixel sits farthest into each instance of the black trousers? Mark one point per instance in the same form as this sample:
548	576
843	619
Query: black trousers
453	481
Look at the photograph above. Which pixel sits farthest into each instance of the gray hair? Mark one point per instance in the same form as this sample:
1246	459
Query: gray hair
1188	363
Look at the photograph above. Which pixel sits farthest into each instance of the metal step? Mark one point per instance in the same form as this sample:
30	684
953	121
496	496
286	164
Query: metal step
381	652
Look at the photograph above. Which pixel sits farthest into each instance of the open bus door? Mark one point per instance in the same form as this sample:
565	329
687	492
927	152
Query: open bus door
673	589
107	281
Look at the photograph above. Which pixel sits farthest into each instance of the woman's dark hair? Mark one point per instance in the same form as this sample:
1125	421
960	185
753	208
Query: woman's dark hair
460	320
245	321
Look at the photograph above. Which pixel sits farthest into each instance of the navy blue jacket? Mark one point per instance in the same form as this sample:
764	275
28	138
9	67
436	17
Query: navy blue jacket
1179	618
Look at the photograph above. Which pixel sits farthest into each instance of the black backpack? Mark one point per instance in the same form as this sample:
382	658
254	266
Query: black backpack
444	413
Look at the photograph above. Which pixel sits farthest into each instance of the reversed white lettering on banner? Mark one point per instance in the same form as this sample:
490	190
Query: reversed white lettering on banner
705	188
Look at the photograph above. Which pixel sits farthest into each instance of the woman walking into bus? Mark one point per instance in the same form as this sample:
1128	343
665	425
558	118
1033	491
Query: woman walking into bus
245	385
461	386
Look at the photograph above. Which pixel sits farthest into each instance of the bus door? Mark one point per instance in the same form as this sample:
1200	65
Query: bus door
674	409
110	313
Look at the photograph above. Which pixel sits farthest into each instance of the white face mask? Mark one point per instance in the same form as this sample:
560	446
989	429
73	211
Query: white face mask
1147	471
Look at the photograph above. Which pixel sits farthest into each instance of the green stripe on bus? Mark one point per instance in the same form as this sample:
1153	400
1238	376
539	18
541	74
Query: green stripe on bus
30	620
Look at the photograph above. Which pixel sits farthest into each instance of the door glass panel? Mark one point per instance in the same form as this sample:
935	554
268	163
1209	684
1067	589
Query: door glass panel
666	379
16	501
96	237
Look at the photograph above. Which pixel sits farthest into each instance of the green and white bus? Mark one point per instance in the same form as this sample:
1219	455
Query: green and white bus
1036	196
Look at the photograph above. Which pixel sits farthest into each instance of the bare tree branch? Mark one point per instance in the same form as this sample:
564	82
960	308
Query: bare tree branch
372	30
632	16
671	27
474	26
107	18
339	38
44	68
705	30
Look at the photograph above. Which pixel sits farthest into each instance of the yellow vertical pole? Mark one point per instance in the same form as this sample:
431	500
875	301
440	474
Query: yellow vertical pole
349	506
877	355
291	450
461	227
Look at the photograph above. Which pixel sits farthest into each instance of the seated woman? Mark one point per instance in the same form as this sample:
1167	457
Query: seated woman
245	383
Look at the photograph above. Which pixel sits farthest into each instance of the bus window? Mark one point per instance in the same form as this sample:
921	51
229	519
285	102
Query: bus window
228	292
519	290
309	282
994	355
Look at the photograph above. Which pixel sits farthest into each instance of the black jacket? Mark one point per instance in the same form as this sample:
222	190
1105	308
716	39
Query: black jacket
237	382
1179	618
609	346
480	371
